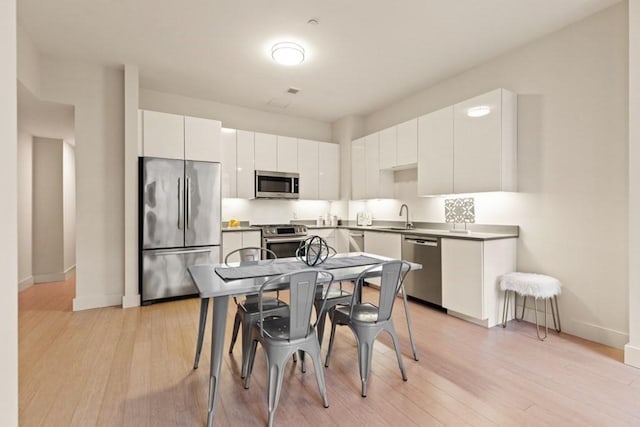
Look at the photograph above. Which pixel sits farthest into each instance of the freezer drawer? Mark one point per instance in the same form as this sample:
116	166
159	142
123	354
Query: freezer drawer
164	271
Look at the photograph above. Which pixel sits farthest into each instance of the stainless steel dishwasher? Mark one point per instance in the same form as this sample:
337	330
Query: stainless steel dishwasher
424	284
356	241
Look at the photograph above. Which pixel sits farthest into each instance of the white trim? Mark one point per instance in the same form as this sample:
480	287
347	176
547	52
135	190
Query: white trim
632	355
129	301
96	301
25	283
70	272
49	277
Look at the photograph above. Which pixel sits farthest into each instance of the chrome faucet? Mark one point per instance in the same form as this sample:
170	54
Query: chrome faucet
407	224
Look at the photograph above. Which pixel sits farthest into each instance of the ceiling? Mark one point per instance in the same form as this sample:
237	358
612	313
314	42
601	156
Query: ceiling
361	56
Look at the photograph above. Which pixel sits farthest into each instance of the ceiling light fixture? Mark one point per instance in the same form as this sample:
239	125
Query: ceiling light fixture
287	53
479	111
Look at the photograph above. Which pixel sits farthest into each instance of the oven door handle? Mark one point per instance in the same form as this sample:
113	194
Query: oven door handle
270	240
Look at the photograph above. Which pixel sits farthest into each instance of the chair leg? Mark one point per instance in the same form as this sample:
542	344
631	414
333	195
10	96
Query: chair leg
505	308
252	357
316	357
234	335
394	337
408	316
330	348
246	344
204	307
275	375
366	340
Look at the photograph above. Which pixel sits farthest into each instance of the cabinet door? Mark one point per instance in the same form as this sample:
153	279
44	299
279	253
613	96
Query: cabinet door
308	163
266	152
245	169
407	144
358	170
229	166
202	139
385	244
388	148
462	275
329	171
287	154
372	166
163	135
435	153
478	145
231	240
251	239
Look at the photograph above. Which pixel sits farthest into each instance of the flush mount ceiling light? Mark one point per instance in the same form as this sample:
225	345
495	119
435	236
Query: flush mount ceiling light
479	111
287	53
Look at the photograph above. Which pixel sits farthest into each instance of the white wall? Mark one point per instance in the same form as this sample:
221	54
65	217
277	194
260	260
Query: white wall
264	211
632	349
48	237
8	218
572	165
96	92
25	209
69	206
236	117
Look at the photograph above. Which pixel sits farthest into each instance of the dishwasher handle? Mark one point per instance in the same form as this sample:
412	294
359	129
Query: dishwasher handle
422	241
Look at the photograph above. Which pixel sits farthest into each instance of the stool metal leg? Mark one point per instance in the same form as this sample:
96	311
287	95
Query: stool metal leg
506	307
555	313
524	303
535	302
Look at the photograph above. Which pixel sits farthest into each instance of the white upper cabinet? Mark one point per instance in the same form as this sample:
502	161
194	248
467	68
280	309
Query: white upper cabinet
435	153
287	154
202	139
172	136
245	164
372	165
308	163
358	178
266	152
163	135
485	145
388	147
329	171
229	163
407	144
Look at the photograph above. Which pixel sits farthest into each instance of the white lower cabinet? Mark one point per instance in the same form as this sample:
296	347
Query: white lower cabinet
470	272
382	243
232	240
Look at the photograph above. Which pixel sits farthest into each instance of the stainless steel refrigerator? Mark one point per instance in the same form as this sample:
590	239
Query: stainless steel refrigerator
179	224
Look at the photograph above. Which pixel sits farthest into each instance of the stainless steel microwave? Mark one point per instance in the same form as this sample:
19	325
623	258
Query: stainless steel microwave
277	185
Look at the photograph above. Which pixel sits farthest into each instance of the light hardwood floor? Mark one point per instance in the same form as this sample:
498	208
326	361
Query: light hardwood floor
133	367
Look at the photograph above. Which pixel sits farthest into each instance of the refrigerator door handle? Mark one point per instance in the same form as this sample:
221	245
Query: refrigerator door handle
181	251
180	205
187	204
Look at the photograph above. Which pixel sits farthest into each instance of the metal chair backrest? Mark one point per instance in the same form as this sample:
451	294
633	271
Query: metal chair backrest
392	277
302	286
251	255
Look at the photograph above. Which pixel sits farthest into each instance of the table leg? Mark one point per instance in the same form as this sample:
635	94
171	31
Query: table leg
218	326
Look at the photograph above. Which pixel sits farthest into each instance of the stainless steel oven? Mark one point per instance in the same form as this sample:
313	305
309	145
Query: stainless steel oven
283	239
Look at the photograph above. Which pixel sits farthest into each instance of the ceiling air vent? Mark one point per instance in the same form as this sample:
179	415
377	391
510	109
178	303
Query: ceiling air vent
293	90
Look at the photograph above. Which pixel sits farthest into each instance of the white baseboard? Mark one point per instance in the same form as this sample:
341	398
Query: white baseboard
69	272
49	277
96	301
25	283
582	329
632	355
129	301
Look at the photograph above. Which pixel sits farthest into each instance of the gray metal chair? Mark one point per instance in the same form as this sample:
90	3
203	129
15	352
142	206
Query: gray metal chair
285	336
367	320
247	310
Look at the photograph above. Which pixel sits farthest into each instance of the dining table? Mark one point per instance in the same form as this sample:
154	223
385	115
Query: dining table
223	281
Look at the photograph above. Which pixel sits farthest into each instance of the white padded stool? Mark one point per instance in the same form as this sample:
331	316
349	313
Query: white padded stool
538	286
